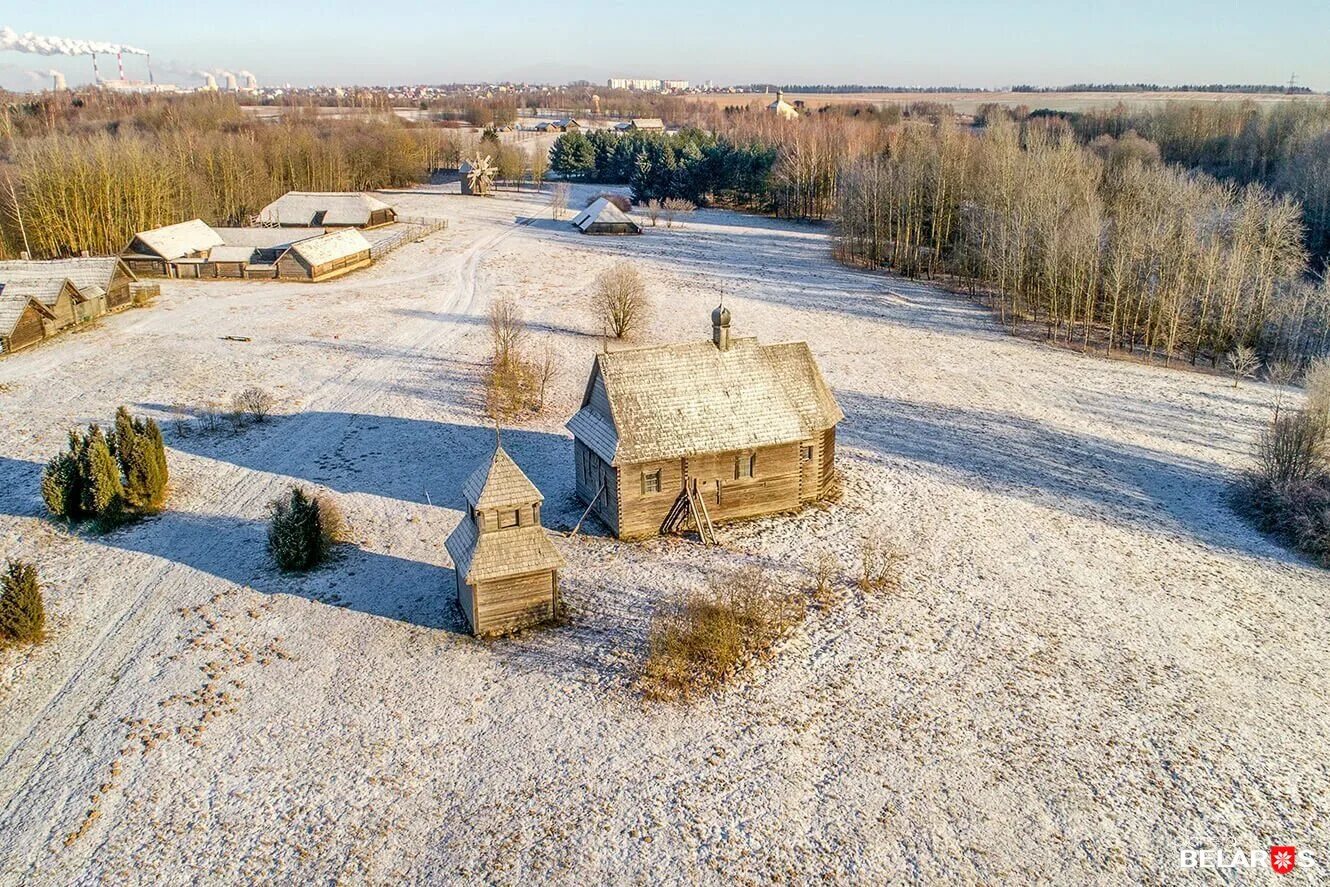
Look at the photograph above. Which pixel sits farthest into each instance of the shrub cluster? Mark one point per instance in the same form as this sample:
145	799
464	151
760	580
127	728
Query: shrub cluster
621	302
108	475
303	529
517	376
22	614
704	639
1288	492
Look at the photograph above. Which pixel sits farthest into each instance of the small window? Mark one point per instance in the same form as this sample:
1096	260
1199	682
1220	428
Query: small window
651	481
806	453
745	465
508	519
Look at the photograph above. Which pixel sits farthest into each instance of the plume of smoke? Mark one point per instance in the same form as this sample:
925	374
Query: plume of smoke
13	41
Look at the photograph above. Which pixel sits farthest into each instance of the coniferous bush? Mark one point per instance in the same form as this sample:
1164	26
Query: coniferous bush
303	529
22	613
108	476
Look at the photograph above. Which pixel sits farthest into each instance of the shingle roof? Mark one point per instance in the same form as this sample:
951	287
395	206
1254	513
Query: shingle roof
337	208
231	254
602	212
12	305
43	279
330	247
692	398
180	239
647	123
500	483
266	238
500	553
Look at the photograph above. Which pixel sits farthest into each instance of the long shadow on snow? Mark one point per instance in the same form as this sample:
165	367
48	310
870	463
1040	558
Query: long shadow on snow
1078	474
793	269
414	460
235	549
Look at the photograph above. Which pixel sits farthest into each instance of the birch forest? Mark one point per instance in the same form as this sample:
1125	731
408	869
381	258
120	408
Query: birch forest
86	178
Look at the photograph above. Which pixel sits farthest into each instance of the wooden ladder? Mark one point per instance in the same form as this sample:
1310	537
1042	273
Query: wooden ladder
701	518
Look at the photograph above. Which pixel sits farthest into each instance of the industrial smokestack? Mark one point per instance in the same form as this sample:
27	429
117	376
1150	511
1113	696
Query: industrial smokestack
209	81
147	59
251	82
229	79
57	81
96	75
120	64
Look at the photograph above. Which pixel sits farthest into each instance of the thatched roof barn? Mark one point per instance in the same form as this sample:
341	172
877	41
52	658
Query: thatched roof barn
645	124
40	298
326	256
505	567
151	251
603	217
318	209
703	432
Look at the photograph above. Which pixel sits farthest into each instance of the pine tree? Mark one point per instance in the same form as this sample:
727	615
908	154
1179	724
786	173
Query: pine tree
22	614
62	489
102	491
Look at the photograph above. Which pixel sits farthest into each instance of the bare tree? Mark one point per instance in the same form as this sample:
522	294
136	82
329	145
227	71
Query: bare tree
559	197
1280	374
546	369
507	330
653	209
1244	363
621	300
674	206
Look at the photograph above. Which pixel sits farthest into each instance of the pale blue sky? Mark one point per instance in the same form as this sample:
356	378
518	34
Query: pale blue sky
954	42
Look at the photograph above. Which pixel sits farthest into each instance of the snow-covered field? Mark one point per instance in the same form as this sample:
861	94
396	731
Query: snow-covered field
1092	662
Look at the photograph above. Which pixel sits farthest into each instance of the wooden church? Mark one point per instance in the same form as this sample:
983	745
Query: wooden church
702	432
505	567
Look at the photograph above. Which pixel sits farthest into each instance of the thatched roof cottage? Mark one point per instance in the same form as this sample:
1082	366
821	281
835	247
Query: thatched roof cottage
327	209
603	217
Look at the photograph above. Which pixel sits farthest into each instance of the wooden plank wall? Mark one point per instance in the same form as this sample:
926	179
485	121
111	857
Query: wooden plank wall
514	602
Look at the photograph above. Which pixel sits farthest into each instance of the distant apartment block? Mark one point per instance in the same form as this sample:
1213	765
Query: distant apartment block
647	84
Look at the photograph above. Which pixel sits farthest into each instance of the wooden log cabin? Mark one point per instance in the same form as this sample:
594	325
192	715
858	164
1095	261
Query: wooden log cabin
327	209
703	432
505	568
40	298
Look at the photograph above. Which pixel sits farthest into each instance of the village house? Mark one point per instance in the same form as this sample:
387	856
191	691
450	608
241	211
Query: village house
320	258
318	209
603	217
643	124
193	250
505	568
40	298
703	432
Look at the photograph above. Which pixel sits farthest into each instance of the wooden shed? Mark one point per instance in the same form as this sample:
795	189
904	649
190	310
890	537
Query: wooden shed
327	209
603	217
40	298
172	251
703	432
505	568
320	258
24	321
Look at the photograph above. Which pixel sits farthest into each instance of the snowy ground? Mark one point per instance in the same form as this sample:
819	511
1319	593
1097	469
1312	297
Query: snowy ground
1092	662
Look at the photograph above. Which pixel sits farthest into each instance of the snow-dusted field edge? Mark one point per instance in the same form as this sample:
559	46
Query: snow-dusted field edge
1092	662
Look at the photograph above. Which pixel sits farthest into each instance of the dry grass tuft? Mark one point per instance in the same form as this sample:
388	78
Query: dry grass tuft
702	641
880	562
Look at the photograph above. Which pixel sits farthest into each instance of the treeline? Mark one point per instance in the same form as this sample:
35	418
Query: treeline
1261	88
759	163
68	184
1103	248
1285	146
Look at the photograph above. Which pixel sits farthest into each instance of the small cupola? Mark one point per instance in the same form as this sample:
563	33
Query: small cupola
720	327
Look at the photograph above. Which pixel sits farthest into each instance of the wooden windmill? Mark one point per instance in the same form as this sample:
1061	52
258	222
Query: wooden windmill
478	175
